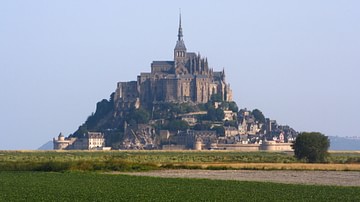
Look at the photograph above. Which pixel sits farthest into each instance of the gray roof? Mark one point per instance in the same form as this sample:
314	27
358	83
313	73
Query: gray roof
201	76
180	45
169	76
187	76
191	55
162	63
145	74
217	74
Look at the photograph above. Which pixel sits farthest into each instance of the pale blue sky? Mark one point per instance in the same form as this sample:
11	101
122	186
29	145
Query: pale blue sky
296	61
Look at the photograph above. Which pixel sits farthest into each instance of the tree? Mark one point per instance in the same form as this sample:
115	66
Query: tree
219	114
311	147
211	114
215	114
101	118
258	115
230	123
202	126
220	130
175	125
216	97
233	106
139	116
81	131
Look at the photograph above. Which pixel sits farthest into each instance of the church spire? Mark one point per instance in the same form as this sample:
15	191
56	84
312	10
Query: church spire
180	34
180	52
180	44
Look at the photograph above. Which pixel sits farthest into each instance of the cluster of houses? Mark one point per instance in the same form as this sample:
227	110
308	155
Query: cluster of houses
248	135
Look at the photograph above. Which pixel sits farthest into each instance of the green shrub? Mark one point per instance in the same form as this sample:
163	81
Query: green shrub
312	147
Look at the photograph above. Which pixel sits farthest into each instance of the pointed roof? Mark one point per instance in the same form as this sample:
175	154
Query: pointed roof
180	45
180	34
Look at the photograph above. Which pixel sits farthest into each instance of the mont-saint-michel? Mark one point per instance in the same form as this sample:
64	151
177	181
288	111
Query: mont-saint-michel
181	104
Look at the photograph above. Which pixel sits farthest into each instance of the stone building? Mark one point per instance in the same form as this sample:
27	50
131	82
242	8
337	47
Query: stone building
95	140
61	143
186	78
90	141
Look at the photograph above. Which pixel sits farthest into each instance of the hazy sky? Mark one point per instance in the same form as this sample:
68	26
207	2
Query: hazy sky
296	61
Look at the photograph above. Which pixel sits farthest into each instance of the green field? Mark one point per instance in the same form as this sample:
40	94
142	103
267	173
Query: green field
70	185
149	160
149	156
74	186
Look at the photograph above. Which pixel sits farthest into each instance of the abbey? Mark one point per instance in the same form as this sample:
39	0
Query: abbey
186	78
164	109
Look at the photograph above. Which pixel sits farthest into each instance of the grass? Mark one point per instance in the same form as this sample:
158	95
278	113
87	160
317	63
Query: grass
79	165
149	156
63	185
148	160
74	186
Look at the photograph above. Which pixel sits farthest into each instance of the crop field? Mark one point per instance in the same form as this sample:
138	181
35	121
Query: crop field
90	186
150	156
149	160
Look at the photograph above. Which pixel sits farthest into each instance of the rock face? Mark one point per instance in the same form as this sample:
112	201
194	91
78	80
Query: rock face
140	136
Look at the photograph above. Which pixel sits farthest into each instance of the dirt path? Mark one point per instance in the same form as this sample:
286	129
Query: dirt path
339	178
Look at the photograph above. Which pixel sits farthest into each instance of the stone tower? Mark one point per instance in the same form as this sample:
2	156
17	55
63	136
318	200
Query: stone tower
180	52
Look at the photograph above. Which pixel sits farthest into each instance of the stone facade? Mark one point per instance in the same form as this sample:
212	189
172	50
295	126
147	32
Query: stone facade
95	140
276	146
90	141
61	143
187	78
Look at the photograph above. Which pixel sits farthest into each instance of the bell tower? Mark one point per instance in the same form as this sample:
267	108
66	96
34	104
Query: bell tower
180	51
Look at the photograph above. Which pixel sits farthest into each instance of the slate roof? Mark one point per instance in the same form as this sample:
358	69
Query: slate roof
201	76
187	76
145	74
191	55
180	45
162	63
217	74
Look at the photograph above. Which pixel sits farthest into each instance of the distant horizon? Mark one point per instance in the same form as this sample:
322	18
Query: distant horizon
297	62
